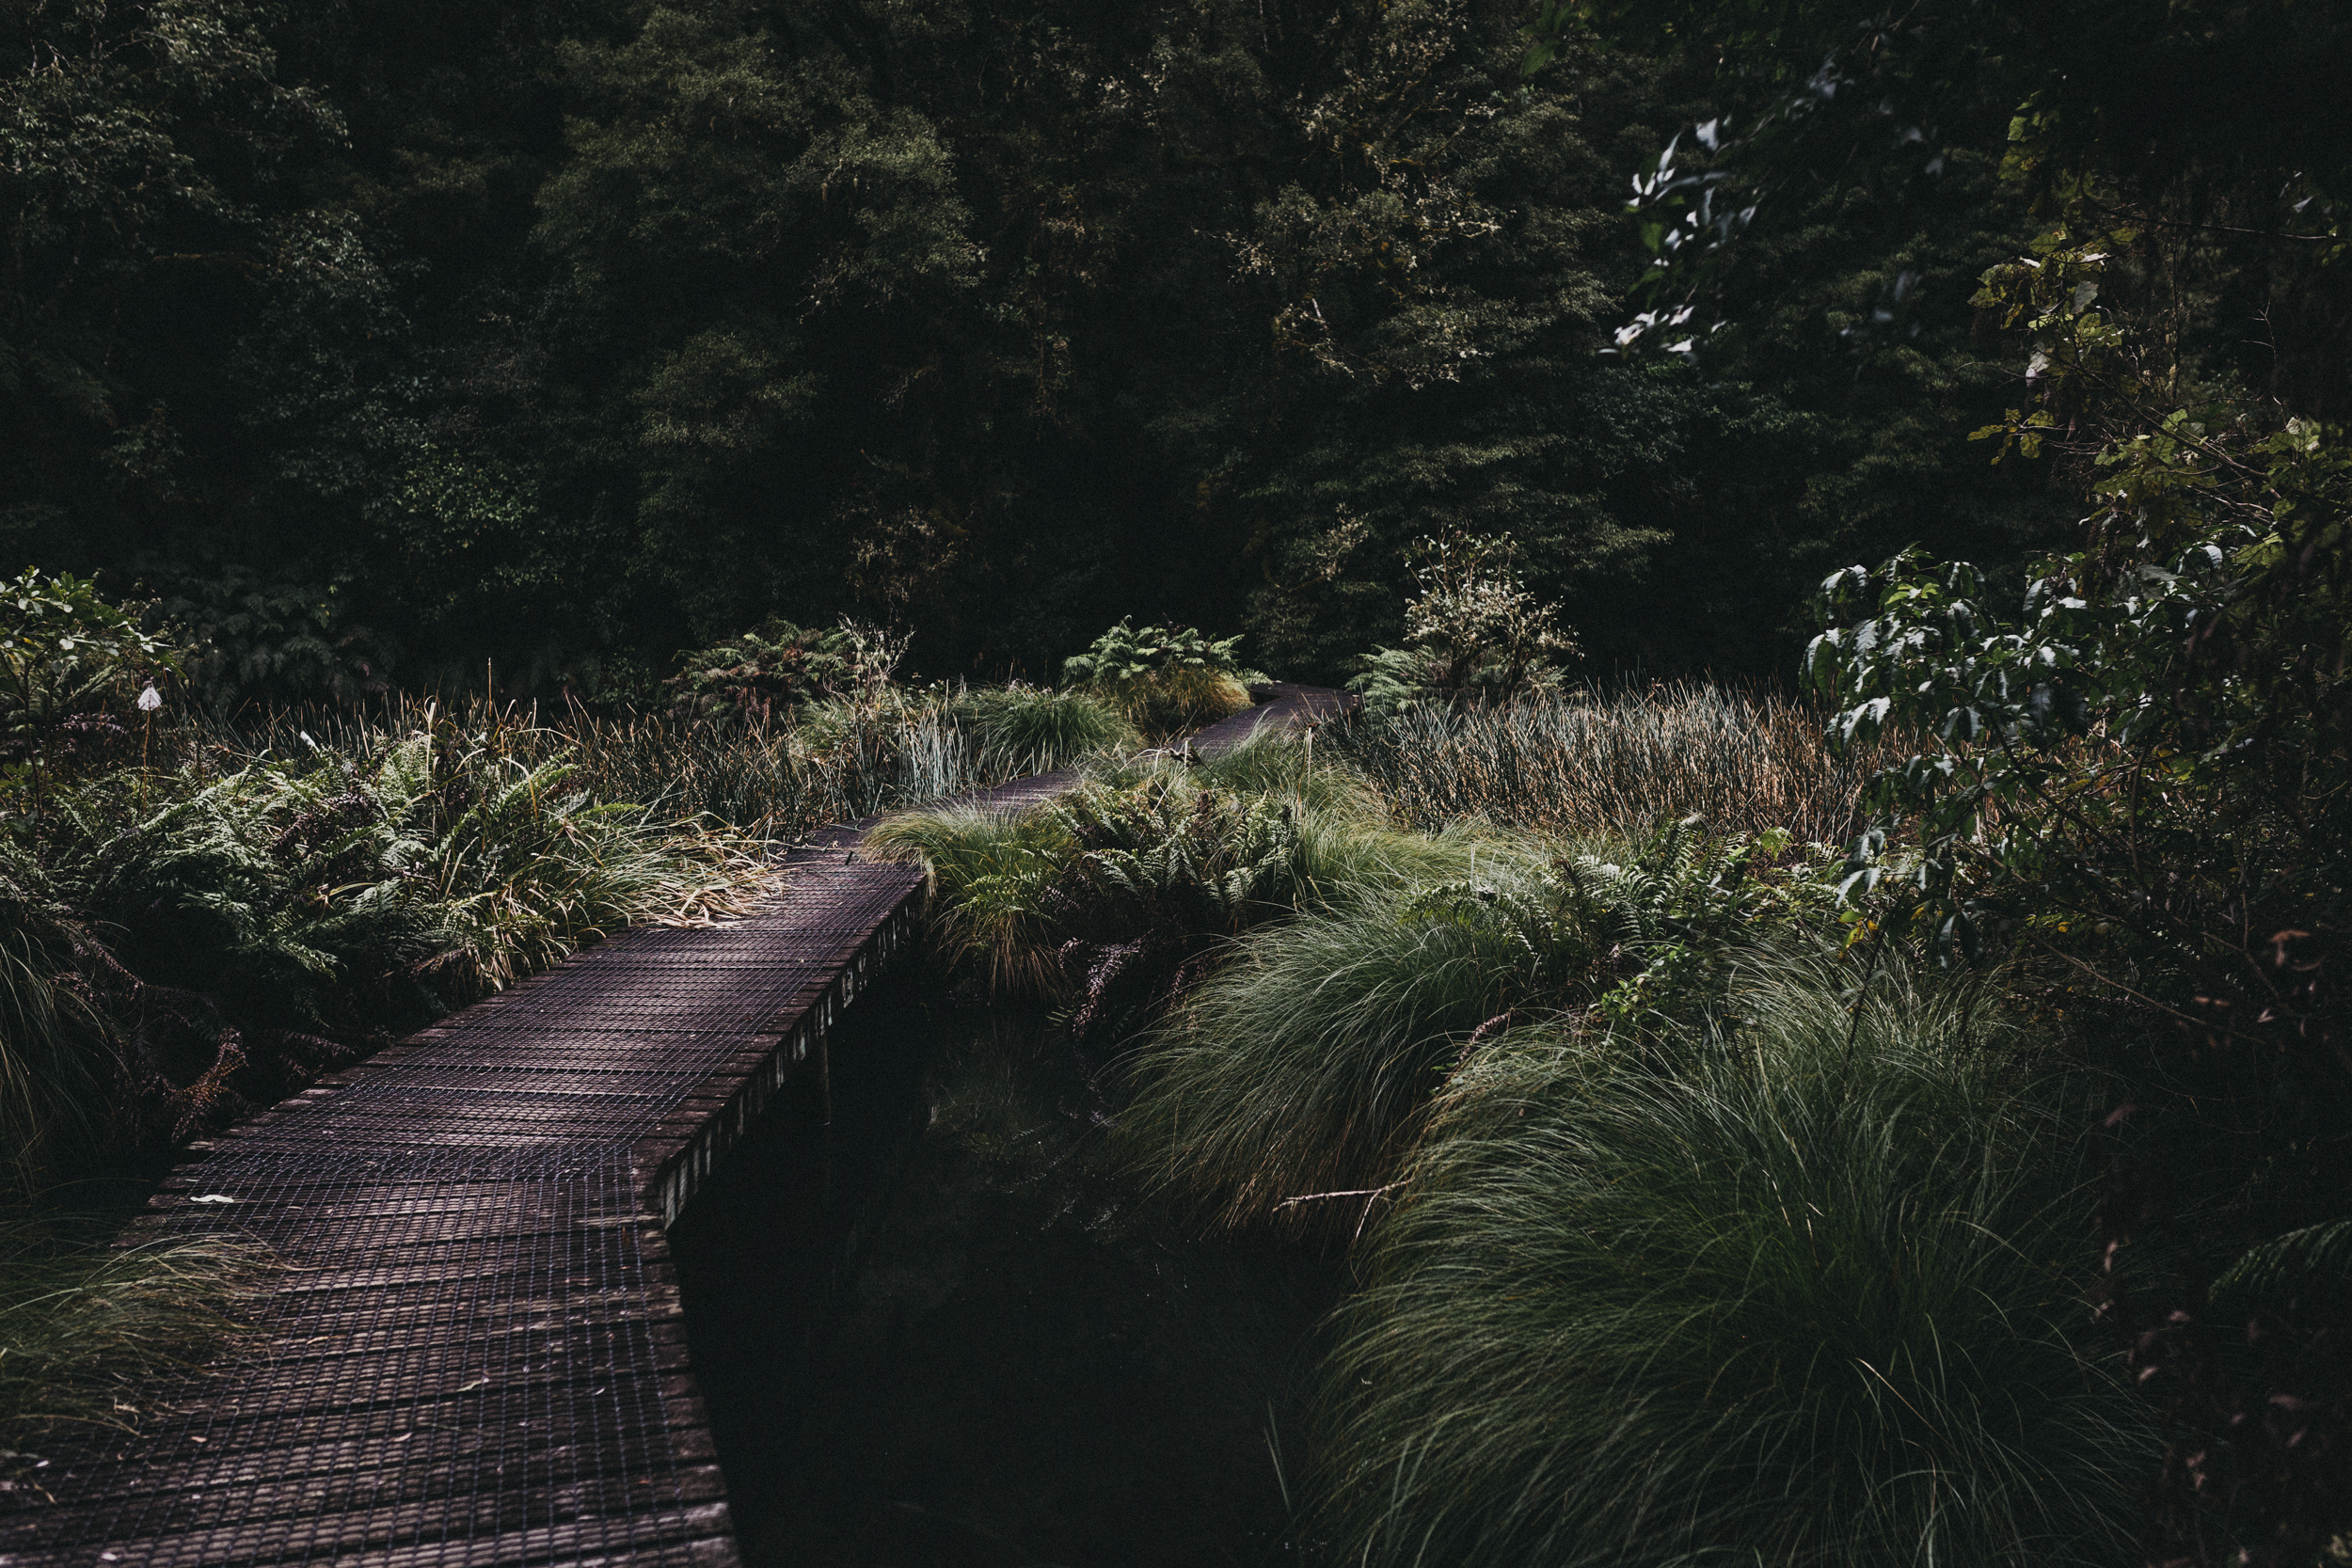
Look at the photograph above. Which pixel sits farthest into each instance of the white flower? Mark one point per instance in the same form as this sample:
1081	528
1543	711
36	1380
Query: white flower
149	700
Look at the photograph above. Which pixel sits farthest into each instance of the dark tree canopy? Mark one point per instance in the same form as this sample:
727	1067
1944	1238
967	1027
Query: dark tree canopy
383	340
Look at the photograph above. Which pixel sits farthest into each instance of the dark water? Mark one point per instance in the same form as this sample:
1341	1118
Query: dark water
945	1330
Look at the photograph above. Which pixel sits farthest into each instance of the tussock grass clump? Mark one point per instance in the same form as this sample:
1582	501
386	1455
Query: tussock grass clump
81	1324
1028	729
989	872
1810	1298
1584	763
1296	1071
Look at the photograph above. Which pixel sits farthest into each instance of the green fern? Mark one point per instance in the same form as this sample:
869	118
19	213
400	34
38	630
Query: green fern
1163	875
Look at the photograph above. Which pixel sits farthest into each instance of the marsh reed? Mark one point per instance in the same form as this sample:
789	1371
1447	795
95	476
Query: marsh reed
1586	763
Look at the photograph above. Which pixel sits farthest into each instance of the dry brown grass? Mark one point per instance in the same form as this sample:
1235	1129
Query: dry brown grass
1581	764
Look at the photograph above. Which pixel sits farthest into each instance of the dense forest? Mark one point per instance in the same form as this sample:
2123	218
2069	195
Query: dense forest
377	341
1840	524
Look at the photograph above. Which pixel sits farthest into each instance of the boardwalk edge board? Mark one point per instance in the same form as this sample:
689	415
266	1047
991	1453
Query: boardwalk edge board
470	1351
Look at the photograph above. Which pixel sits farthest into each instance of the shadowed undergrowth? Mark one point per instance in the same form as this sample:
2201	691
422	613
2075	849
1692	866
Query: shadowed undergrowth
1808	1297
85	1328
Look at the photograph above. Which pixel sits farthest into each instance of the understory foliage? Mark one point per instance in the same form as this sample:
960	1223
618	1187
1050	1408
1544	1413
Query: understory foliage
1695	1215
2173	689
1802	1294
198	915
1026	729
1320	967
2120	769
1165	679
70	662
1472	633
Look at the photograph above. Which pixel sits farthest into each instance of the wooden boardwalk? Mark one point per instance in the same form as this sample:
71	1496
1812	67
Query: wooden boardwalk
473	1354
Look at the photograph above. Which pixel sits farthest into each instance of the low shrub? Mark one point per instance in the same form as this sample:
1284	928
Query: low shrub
768	675
1114	897
1809	1298
1474	633
1165	679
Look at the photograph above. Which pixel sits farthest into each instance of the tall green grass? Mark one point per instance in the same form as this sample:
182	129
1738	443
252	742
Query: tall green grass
82	1325
840	763
1581	764
1270	761
60	1069
1287	1087
843	760
988	870
1810	1298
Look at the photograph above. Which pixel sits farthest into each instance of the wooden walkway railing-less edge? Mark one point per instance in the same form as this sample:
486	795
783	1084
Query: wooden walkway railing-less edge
474	1354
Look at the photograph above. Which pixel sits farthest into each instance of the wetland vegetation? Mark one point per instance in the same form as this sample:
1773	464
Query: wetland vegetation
1798	1025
